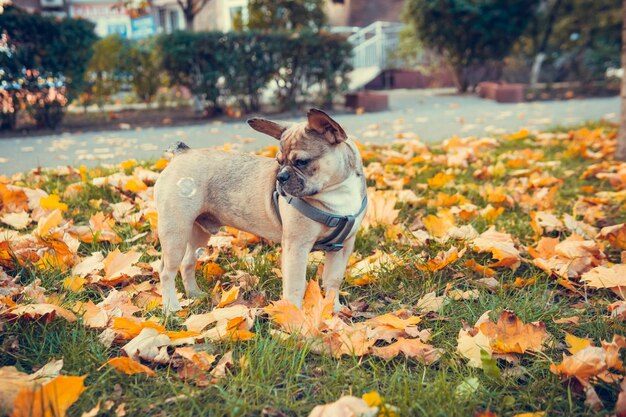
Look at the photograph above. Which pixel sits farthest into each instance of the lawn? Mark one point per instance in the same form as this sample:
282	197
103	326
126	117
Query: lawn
488	279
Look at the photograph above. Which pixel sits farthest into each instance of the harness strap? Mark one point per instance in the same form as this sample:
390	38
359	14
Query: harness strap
342	224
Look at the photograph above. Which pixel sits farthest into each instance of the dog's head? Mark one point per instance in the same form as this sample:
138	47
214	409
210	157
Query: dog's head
311	155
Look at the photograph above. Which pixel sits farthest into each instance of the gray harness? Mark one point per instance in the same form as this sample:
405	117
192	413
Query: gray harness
342	224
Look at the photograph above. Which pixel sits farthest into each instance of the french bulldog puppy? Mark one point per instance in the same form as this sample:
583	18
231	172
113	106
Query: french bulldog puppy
204	189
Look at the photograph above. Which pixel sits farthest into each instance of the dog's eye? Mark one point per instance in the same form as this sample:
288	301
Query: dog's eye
301	163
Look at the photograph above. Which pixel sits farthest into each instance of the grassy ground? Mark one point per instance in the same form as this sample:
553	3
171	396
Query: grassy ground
287	378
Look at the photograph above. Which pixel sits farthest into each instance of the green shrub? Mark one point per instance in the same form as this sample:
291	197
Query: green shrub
143	64
195	60
42	65
106	69
311	59
241	65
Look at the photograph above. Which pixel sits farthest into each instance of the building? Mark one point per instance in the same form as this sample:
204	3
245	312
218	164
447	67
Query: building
361	13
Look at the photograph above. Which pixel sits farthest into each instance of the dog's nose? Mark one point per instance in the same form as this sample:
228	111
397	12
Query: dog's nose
283	176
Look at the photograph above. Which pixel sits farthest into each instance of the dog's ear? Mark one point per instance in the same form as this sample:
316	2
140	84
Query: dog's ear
326	126
268	127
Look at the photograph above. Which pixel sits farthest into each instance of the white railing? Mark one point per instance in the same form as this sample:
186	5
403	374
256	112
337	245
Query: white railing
372	44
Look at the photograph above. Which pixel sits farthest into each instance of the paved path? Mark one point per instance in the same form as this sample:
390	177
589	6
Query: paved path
432	115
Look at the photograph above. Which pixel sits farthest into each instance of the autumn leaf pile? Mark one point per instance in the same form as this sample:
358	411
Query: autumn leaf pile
489	278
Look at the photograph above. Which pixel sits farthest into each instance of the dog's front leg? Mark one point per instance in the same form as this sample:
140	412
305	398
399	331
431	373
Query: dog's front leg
335	268
294	262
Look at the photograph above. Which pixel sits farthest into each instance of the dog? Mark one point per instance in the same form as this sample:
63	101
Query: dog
314	186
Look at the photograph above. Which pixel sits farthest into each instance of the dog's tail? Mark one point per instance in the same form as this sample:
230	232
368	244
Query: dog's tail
177	148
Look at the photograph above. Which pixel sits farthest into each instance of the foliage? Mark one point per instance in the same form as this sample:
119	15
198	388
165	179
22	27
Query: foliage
43	62
195	60
489	269
469	35
106	68
578	48
142	61
215	65
309	60
286	15
253	62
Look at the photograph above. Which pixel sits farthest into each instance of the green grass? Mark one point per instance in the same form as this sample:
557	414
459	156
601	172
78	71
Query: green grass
287	376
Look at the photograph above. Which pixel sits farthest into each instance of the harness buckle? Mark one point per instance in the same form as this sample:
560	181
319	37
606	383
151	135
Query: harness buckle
329	247
333	221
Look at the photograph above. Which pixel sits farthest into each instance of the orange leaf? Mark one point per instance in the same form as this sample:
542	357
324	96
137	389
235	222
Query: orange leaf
129	328
50	400
439	225
510	335
129	367
228	296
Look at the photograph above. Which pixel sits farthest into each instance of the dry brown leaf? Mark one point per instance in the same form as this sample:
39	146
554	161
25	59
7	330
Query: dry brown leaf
41	311
225	362
615	235
501	247
589	361
612	277
411	348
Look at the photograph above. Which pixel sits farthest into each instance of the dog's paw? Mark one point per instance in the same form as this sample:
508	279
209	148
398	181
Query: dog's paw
195	293
171	305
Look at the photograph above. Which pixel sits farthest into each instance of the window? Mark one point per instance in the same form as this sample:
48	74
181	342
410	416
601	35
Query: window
161	15
174	20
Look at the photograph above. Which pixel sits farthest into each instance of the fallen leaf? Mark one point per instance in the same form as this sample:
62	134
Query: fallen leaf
510	335
53	398
129	367
346	406
118	266
13	381
17	221
146	345
501	247
411	348
228	296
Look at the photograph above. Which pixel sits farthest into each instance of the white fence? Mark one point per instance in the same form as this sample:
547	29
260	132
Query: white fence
372	44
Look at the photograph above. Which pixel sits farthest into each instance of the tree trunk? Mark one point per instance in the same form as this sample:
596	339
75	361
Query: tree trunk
460	77
541	54
620	154
536	68
188	19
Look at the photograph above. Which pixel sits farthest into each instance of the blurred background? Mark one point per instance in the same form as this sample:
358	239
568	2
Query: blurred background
100	63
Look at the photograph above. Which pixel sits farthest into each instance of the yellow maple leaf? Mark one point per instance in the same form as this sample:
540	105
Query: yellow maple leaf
52	202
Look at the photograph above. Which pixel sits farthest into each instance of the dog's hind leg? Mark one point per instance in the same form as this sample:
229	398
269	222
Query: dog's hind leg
199	239
173	238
